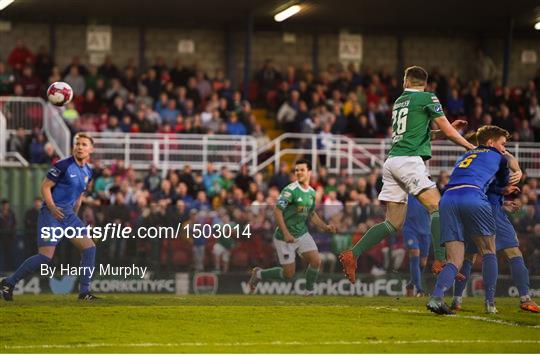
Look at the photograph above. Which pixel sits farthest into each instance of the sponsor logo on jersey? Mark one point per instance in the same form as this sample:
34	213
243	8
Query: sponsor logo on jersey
282	202
437	108
55	172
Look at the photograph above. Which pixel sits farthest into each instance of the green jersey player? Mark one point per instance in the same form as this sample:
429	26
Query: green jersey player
295	207
404	171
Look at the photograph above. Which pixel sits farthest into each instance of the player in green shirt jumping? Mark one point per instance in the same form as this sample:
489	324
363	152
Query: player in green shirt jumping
404	171
295	207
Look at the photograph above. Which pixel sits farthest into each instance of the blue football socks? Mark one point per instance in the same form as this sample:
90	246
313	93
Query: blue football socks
88	259
29	266
489	274
459	286
520	275
416	272
445	280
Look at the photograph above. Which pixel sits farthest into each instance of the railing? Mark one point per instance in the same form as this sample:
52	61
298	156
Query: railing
30	112
355	156
57	131
25	112
445	154
335	151
8	158
174	151
3	137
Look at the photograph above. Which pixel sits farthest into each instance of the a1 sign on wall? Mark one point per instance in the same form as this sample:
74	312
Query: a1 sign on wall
186	46
350	47
528	56
98	38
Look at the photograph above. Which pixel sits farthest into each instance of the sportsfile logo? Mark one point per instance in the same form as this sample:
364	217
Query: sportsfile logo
117	231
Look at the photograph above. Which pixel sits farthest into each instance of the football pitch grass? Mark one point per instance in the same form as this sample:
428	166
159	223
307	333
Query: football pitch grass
224	324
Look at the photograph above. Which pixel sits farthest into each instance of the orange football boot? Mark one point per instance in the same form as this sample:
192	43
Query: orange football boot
460	277
529	306
348	261
456	306
437	266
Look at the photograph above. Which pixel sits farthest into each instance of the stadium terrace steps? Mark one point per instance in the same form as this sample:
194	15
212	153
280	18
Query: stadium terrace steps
268	123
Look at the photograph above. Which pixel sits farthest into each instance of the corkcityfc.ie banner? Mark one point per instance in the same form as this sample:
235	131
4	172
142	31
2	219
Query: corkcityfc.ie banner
236	283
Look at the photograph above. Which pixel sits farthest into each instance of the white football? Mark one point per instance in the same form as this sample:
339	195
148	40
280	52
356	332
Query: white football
59	93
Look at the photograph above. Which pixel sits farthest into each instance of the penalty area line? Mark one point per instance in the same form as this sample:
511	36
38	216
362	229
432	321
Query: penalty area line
273	343
478	318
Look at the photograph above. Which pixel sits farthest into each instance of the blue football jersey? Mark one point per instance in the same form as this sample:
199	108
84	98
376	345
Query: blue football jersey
480	167
494	193
71	181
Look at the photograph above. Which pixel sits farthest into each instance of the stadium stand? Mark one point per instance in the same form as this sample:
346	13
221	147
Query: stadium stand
187	100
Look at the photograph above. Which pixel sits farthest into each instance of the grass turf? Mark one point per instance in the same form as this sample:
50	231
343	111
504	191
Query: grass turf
166	323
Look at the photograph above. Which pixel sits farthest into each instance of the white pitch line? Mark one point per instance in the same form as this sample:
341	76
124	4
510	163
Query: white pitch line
483	319
273	343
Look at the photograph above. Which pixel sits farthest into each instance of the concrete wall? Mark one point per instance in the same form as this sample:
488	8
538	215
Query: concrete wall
379	51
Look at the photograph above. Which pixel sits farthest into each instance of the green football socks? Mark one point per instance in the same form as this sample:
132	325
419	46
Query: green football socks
275	273
372	237
439	251
311	277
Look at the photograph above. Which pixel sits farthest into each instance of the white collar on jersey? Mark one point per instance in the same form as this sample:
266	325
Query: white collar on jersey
415	90
301	188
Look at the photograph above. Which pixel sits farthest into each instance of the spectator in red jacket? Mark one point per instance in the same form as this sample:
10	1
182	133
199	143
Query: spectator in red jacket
20	56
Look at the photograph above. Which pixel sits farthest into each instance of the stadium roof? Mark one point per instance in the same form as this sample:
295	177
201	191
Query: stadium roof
473	16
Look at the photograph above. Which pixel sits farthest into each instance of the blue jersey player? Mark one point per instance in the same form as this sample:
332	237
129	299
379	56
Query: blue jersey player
467	215
417	237
62	192
506	243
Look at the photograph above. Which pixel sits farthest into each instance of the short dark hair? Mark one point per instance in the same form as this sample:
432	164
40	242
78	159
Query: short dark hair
488	132
303	161
416	74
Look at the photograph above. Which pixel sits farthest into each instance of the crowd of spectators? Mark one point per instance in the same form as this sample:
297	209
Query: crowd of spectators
358	103
161	99
119	195
185	99
182	98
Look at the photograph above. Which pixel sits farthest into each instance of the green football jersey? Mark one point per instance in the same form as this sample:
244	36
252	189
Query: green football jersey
297	204
411	120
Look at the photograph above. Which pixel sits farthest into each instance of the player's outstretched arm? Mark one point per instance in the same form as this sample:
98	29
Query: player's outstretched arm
319	223
451	133
46	193
457	124
513	164
282	226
